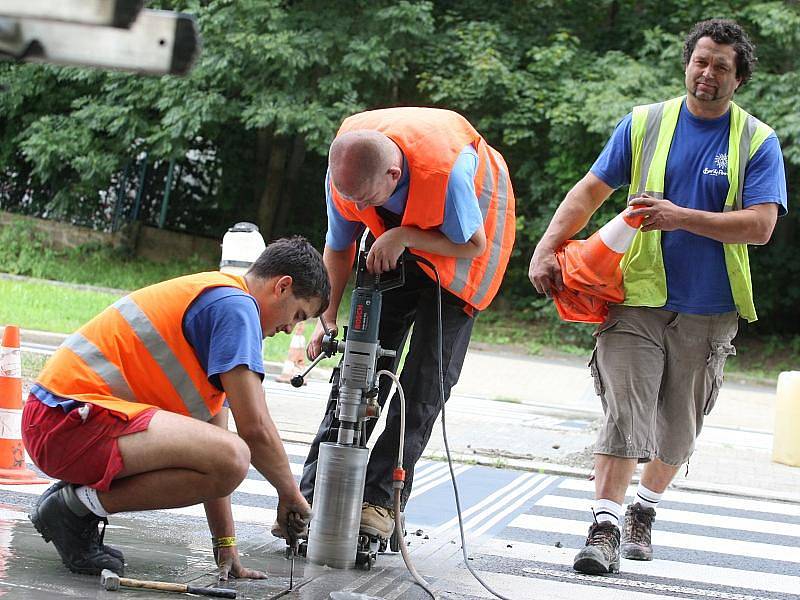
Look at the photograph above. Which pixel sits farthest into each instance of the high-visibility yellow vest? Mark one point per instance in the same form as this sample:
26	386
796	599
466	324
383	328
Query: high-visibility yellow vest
652	128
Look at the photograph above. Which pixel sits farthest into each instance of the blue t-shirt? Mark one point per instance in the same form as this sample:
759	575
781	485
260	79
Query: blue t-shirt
223	327
462	215
696	177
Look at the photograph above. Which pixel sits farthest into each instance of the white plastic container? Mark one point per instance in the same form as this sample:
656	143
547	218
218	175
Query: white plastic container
241	246
786	441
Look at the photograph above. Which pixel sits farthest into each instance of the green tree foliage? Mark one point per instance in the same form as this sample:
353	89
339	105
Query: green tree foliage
545	82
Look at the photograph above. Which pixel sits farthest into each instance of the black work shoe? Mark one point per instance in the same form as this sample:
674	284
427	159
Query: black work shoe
75	536
54	488
601	553
636	532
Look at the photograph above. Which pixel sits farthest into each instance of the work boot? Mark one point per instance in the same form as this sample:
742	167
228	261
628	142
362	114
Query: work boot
377	521
601	552
54	488
62	519
636	532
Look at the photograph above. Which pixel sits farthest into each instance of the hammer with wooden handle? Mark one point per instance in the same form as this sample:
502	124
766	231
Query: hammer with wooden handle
112	582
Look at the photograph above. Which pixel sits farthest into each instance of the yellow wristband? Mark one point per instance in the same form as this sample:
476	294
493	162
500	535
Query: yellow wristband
223	542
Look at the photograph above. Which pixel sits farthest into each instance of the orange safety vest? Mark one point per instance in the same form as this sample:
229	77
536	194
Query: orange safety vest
133	355
431	140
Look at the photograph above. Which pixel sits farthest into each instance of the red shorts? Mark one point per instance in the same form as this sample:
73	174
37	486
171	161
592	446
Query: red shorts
83	452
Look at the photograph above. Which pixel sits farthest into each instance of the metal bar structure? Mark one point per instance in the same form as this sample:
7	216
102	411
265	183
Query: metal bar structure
139	189
167	188
123	182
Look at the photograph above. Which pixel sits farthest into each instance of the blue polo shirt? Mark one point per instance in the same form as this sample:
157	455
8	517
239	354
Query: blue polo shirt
696	177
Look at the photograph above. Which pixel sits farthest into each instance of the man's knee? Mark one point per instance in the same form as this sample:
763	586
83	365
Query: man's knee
231	465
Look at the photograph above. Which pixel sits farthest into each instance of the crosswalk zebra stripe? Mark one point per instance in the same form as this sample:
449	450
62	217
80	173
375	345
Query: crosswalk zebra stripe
257	487
500	504
241	514
513	506
684	516
430	484
699	573
511	585
518	486
27	488
500	510
429	474
669	539
737	503
642	585
12	515
296	449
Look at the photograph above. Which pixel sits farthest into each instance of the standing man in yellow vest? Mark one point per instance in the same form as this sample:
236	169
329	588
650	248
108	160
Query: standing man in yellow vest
711	179
421	179
131	413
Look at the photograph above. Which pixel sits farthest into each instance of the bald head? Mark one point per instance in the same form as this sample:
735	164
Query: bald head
362	163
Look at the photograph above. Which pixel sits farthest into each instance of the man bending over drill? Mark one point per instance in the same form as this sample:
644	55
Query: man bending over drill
130	415
421	179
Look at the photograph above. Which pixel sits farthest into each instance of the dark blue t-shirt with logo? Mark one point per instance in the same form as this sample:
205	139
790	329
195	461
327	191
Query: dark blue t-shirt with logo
696	177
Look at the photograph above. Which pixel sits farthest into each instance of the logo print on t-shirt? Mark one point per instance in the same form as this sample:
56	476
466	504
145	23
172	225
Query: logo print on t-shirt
720	166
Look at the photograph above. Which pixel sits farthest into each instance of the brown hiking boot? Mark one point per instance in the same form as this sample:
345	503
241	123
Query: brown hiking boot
601	552
377	521
636	532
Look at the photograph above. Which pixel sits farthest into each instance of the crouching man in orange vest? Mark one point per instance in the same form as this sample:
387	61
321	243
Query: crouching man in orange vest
421	179
131	414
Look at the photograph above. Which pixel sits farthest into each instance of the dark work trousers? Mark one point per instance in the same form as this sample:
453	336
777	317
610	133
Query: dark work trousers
414	303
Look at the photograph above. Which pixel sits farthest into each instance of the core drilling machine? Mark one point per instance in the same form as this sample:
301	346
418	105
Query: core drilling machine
334	537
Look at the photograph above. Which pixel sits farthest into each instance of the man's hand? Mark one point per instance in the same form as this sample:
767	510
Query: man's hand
544	272
386	250
229	565
659	214
292	519
314	347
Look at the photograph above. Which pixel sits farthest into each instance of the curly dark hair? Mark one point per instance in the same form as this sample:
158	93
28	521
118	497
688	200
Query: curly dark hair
724	31
295	256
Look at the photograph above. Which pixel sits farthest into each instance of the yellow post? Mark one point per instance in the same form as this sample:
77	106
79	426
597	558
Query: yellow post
786	441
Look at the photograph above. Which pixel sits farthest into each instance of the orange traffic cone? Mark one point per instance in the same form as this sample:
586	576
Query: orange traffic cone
12	453
591	273
296	356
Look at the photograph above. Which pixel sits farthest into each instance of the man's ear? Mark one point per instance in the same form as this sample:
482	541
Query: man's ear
395	173
283	285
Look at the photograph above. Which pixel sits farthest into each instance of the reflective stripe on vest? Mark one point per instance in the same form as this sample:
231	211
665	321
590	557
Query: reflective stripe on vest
106	370
157	347
493	265
464	265
652	129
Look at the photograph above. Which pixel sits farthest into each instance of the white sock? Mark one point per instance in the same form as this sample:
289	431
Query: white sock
607	511
646	497
88	496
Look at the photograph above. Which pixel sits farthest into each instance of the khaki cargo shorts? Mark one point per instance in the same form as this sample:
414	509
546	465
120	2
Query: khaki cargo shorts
658	374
